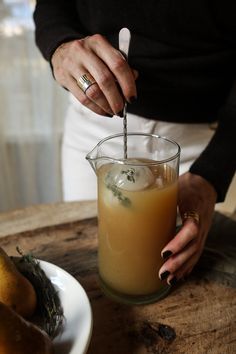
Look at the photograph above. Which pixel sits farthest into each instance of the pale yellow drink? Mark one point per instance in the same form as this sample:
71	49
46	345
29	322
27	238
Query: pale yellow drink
134	226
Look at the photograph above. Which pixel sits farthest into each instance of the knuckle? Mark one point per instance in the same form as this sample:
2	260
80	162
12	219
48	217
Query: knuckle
95	40
105	79
118	64
84	100
94	93
78	44
97	37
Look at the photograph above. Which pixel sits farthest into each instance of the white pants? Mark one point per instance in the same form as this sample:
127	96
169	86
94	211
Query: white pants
84	129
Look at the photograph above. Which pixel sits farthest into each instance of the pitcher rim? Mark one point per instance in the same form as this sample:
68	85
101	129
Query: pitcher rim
127	162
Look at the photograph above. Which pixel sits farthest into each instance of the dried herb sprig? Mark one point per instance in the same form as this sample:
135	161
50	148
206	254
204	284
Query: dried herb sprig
125	201
49	305
130	173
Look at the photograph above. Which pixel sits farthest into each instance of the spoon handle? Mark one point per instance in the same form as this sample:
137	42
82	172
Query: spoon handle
124	42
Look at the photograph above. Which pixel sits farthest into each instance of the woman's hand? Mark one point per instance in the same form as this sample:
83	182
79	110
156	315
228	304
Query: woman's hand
94	55
184	250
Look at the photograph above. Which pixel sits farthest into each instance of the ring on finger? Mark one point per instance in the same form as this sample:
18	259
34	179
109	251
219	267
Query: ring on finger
191	215
85	81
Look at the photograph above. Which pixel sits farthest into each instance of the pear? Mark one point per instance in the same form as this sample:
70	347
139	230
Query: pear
18	336
15	290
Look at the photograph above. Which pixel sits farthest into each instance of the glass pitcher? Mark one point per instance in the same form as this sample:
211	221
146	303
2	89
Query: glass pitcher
137	207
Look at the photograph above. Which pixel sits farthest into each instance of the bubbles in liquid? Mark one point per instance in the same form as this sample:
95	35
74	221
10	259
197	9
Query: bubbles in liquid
131	177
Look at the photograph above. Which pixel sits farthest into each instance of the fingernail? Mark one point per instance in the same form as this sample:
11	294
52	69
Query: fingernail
109	115
132	99
164	275
120	114
173	281
166	254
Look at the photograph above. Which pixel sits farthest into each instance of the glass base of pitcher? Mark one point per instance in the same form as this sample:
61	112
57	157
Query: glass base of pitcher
134	299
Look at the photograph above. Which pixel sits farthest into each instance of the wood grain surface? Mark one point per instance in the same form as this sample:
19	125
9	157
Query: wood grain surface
201	310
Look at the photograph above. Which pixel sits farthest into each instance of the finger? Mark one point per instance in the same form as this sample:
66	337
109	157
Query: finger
182	272
187	233
102	75
117	65
67	79
174	263
108	85
95	94
72	86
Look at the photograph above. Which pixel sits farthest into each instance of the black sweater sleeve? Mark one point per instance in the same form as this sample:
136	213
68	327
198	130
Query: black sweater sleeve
217	163
56	22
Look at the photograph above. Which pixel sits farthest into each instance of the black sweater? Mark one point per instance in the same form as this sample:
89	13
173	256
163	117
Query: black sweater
185	53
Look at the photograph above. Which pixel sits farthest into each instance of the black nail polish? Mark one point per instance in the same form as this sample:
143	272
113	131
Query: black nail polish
173	281
164	275
132	99
109	115
120	114
166	254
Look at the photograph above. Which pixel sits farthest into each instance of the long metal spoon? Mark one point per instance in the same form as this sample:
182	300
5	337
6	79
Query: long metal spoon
124	42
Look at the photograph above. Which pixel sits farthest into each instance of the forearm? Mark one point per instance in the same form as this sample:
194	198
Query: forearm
56	22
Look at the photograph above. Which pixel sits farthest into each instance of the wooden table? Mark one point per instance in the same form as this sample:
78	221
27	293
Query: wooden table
202	310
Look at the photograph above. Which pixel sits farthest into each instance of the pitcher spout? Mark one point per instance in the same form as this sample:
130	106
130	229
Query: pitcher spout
92	157
101	153
96	157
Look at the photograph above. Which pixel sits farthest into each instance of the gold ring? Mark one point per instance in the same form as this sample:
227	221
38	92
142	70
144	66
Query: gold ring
85	81
191	215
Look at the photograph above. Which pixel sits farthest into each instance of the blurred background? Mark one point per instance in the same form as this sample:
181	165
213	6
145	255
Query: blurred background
32	108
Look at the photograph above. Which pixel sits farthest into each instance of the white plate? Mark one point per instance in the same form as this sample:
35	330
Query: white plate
77	329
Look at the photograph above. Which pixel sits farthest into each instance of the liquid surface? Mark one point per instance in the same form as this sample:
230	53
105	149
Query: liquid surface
134	225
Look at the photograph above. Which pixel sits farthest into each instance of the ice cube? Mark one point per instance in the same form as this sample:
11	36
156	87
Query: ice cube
131	177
